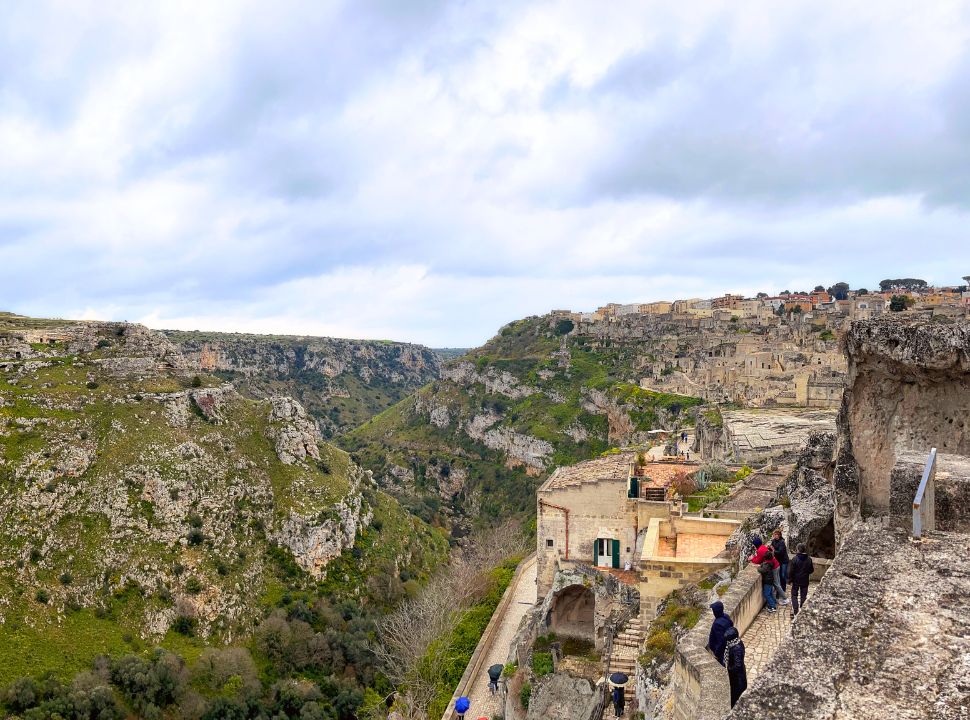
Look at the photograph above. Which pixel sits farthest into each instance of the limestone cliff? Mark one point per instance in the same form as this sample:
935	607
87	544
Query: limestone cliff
480	438
135	489
341	383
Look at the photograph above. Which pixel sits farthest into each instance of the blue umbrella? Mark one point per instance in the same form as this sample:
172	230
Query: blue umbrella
462	704
619	679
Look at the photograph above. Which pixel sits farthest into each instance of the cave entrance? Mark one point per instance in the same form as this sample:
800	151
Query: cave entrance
572	613
821	543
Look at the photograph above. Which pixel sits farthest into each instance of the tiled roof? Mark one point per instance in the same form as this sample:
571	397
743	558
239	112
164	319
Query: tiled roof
615	468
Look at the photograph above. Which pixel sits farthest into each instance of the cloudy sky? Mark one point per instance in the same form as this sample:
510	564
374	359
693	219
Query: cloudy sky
428	171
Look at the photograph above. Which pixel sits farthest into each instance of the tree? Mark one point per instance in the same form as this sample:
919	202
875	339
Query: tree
902	284
761	295
898	303
797	310
819	288
862	291
840	291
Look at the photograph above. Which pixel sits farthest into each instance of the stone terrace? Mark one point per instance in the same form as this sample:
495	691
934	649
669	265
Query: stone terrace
615	467
756	435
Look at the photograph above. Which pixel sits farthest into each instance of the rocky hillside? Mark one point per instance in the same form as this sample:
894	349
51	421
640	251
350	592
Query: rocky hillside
341	383
481	438
145	502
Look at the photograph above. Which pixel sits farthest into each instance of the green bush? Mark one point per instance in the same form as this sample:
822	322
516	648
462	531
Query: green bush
41	596
541	663
525	694
193	586
66	578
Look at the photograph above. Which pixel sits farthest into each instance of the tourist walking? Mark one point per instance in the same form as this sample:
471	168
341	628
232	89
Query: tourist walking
619	701
722	623
766	568
779	583
801	569
734	657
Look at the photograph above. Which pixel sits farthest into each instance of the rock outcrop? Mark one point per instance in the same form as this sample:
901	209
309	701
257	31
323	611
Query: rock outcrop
341	383
888	628
907	390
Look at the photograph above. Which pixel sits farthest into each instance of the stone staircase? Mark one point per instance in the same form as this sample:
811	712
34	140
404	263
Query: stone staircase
626	647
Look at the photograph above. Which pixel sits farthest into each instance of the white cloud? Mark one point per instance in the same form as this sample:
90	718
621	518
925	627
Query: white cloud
431	170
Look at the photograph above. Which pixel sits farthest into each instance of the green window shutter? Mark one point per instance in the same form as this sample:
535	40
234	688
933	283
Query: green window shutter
616	553
596	552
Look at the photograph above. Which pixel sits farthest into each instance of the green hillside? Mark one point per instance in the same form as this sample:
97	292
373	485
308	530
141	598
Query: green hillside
479	440
147	505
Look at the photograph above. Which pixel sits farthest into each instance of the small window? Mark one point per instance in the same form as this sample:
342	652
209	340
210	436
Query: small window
628	549
549	542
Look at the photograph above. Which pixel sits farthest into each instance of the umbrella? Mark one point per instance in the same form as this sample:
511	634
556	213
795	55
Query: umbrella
495	672
462	704
619	679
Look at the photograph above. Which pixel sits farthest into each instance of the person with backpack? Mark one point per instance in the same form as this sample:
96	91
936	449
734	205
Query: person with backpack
722	623
801	569
780	551
766	569
734	658
781	555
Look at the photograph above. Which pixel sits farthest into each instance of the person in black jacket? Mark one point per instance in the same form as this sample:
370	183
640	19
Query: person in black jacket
722	623
801	570
781	555
734	657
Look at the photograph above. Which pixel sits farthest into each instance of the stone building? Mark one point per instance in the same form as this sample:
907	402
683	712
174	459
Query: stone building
613	515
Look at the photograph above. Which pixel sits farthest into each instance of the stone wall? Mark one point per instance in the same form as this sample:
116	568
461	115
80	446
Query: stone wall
699	683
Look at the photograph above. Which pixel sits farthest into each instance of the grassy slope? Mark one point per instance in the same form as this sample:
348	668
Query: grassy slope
530	350
118	574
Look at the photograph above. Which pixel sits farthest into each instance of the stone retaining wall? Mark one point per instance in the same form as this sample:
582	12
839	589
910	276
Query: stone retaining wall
699	683
476	665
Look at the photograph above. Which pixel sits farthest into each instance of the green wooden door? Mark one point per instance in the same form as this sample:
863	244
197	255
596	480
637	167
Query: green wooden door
596	553
616	553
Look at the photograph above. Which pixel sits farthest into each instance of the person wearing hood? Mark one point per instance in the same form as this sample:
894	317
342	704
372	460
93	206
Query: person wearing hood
734	660
799	573
722	623
759	550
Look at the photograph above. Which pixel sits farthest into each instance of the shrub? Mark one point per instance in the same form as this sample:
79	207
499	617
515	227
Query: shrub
193	586
194	520
196	381
35	555
541	663
66	578
195	537
525	694
184	625
684	484
91	385
41	596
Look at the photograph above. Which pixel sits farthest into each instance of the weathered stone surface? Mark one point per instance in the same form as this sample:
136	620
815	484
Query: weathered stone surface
952	489
811	496
561	697
292	430
887	628
907	391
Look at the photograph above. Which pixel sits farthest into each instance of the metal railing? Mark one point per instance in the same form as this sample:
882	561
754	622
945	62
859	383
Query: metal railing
924	504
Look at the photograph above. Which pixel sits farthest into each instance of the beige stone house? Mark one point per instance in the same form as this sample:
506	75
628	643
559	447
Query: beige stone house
611	514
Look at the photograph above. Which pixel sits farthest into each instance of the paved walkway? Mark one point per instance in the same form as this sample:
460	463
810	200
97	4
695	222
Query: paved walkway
483	704
765	634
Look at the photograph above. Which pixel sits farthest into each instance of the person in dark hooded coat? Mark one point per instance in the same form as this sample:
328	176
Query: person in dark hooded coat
722	623
734	657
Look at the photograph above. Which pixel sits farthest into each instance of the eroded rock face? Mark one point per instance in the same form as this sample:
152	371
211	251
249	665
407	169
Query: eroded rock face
498	382
561	697
907	391
811	497
292	430
888	627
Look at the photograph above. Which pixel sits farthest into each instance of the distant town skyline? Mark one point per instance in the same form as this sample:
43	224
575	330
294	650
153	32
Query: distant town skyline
428	171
